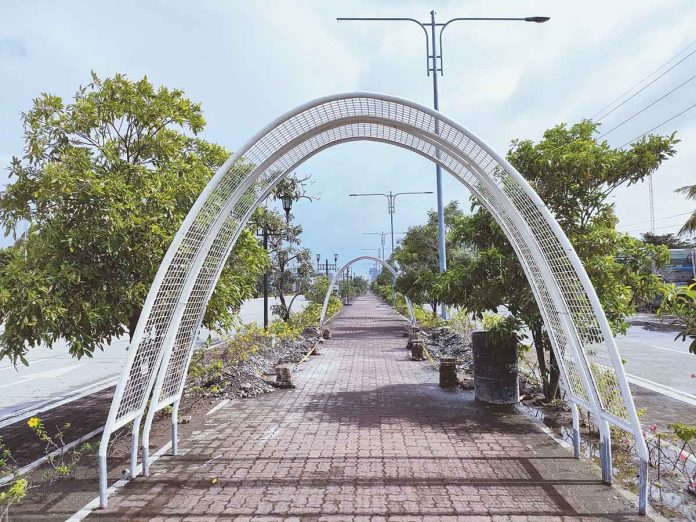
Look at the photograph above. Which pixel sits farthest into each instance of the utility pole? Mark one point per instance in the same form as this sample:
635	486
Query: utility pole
382	239
391	199
434	65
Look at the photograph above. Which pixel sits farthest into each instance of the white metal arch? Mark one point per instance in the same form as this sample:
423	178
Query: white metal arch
173	311
350	263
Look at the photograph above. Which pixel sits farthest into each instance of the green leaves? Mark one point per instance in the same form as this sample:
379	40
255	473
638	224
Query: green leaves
105	182
679	304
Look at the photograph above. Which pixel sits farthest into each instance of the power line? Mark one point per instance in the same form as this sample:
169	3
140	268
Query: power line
657	219
600	111
656	228
647	107
658	125
645	86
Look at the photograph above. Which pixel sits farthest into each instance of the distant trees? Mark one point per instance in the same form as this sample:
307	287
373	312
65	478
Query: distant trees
668	240
418	261
104	183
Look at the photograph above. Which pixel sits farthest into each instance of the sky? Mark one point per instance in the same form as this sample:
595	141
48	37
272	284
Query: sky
249	62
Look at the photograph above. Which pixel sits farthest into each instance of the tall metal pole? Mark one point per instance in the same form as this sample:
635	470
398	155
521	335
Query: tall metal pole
442	254
391	216
265	282
432	66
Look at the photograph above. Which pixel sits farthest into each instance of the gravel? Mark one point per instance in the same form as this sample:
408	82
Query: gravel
255	375
444	342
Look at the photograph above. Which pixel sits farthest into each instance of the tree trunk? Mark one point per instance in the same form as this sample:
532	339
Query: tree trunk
286	314
538	338
133	324
555	373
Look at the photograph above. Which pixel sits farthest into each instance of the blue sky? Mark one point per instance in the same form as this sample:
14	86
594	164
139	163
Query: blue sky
248	62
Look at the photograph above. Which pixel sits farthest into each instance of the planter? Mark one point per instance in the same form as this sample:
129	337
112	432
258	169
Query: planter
496	376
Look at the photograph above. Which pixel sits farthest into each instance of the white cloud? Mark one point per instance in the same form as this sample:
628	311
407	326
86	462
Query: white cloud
248	62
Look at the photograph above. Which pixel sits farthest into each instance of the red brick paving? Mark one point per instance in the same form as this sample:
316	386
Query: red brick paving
368	435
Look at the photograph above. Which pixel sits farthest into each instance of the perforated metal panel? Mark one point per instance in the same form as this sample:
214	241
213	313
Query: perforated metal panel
172	316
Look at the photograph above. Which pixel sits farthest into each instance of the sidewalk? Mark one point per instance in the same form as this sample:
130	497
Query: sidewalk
368	435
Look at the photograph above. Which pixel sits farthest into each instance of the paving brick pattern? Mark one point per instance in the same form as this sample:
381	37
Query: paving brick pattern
368	435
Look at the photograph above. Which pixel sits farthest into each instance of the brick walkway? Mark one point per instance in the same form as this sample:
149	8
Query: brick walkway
368	435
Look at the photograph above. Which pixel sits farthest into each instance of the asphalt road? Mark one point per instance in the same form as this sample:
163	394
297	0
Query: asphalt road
54	377
654	360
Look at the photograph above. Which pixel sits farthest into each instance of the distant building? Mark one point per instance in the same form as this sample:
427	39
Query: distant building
681	268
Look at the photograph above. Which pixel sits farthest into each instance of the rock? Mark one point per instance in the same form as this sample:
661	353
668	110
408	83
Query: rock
417	350
284	376
245	386
467	382
326	333
448	372
184	419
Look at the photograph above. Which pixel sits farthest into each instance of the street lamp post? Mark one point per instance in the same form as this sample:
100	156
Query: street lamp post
327	266
391	198
433	54
287	206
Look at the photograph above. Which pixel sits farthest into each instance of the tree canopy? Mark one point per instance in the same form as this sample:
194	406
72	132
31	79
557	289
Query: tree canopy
417	257
104	183
574	174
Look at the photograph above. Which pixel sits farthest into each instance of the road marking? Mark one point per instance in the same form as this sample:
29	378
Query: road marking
662	389
270	433
32	465
669	349
12	366
46	374
94	504
218	406
657	387
76	395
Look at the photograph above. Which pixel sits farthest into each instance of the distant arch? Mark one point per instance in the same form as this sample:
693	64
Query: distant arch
154	373
386	265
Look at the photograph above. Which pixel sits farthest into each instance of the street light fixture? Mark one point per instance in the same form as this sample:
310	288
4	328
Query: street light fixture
287	206
391	198
432	55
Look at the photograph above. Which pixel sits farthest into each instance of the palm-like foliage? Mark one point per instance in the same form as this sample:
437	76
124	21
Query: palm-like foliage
690	225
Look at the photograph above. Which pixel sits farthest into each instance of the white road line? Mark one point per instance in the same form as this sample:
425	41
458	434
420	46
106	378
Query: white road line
94	504
51	373
26	469
657	387
270	433
77	394
662	389
12	366
669	349
218	406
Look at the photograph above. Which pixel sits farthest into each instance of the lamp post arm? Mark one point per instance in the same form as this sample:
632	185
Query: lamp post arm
537	19
390	19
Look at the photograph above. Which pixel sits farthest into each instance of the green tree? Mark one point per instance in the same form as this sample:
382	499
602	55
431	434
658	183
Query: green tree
290	267
679	304
574	175
668	240
690	226
417	257
105	181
